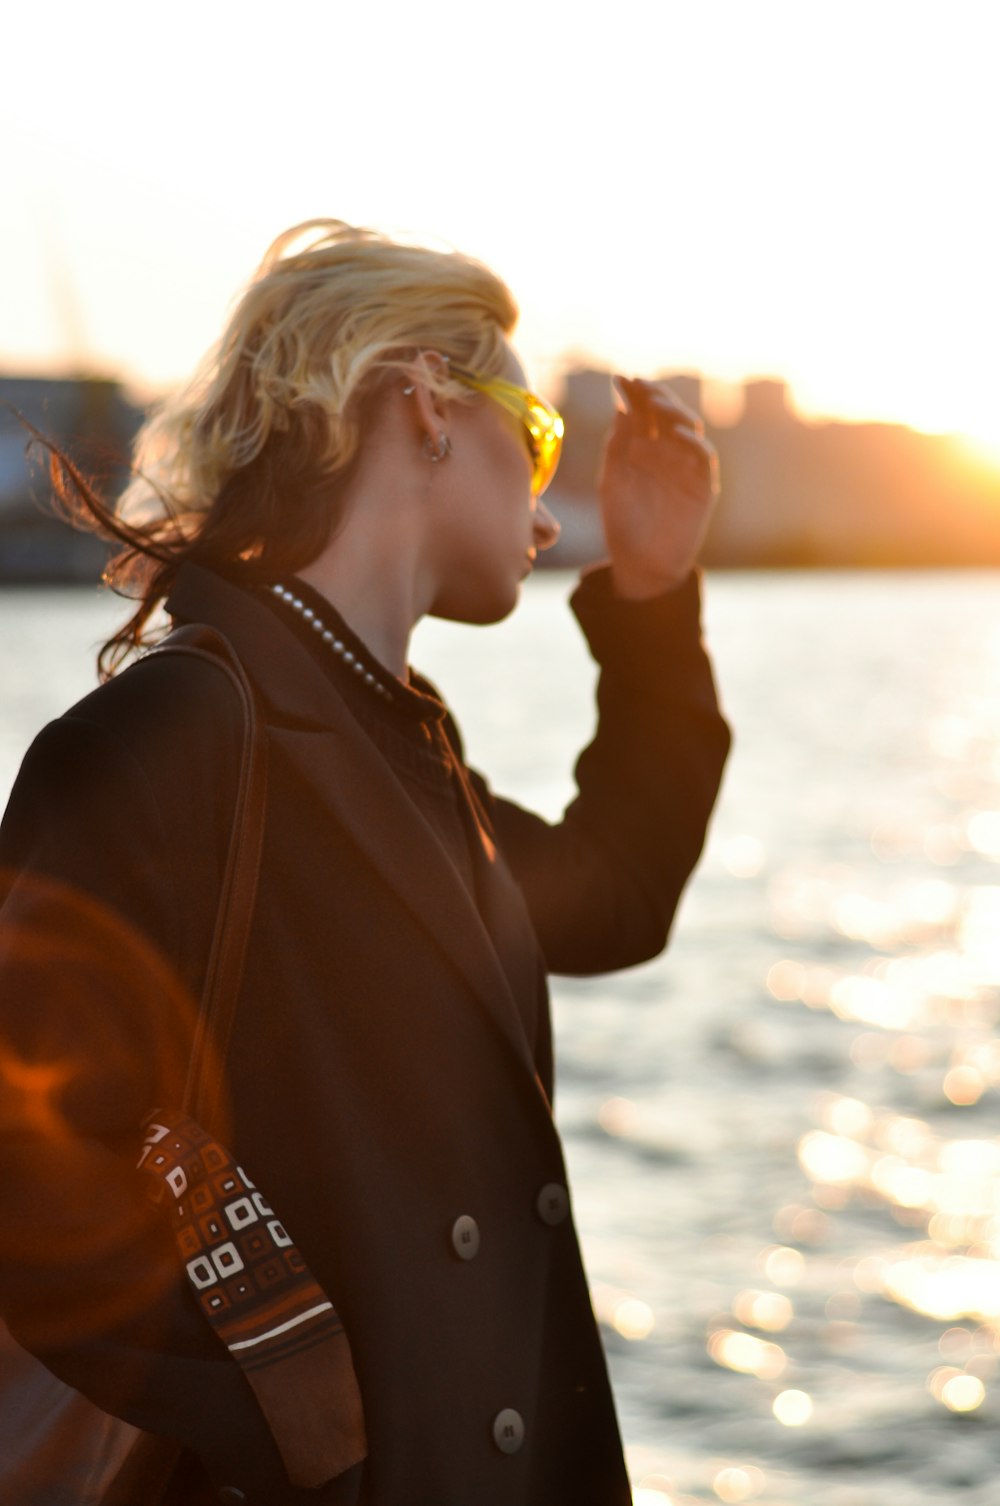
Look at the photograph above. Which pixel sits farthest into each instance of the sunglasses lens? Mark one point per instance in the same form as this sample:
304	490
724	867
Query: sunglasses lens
545	430
542	424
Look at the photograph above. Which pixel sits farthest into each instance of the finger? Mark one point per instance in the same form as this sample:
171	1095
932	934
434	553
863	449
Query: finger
656	405
693	438
682	442
682	455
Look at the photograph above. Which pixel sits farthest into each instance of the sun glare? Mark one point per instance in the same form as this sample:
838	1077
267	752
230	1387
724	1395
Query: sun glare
983	451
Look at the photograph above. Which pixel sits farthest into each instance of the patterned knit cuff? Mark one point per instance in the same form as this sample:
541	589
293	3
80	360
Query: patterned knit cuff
261	1300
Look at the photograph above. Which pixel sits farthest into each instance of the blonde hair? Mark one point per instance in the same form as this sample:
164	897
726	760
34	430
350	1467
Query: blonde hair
318	327
242	466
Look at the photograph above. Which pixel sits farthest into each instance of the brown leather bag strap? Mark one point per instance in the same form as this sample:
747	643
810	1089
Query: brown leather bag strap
224	974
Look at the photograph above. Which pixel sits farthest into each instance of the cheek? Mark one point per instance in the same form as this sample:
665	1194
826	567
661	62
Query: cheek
501	451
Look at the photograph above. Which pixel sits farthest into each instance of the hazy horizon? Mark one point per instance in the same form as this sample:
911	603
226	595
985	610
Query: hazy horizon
795	191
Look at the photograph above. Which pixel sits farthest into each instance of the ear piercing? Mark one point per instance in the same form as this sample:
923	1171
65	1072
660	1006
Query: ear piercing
433	451
437	451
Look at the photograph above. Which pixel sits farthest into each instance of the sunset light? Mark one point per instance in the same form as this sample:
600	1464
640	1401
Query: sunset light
700	194
500	744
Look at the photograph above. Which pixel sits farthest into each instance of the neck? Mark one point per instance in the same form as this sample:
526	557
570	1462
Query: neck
371	573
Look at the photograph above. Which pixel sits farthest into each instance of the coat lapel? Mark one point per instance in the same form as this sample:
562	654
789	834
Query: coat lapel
309	723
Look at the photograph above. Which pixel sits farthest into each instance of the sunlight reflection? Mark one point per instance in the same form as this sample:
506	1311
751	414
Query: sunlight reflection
786	981
963	1085
825	1195
946	1288
904	994
909	1054
627	1314
941	845
740	1483
956	1390
833	1158
843	1306
953	1184
804	903
847	1116
862	919
904	1135
906	1186
979	932
783	1265
955	1343
869	1050
873	1002
769	1311
618	1116
958	925
869	1273
633	1319
744	1352
743	856
793	1408
950	736
983	832
809	1226
654	1490
971	1158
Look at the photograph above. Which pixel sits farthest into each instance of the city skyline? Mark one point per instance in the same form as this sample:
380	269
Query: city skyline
794	494
797	192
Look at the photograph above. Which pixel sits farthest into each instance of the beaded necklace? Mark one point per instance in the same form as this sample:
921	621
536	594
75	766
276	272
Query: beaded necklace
329	637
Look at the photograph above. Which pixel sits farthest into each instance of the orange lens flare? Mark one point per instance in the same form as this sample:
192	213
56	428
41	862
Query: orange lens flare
95	1030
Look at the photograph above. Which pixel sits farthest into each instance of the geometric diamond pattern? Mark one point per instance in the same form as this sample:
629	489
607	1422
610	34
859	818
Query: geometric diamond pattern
251	1281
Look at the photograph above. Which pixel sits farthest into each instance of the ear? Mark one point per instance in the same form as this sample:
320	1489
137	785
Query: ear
430	408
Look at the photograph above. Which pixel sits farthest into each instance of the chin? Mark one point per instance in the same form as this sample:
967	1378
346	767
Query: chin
480	608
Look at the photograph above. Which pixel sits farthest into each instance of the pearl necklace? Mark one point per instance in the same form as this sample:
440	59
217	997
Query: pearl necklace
329	637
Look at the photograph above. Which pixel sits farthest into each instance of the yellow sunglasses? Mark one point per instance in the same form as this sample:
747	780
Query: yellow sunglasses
542	424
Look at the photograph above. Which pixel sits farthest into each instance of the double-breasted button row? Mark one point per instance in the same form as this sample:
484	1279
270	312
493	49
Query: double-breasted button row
508	1430
552	1204
465	1237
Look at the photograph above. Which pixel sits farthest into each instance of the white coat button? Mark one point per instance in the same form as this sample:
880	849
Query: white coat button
552	1204
465	1237
508	1430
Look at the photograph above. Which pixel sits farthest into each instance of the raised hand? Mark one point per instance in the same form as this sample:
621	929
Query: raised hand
658	485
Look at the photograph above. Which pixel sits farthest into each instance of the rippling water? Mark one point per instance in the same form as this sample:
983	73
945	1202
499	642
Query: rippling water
784	1134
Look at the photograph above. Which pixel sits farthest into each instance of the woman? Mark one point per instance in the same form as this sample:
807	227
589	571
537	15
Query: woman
359	451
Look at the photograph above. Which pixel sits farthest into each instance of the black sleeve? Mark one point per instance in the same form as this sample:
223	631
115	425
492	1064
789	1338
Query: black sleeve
107	898
603	884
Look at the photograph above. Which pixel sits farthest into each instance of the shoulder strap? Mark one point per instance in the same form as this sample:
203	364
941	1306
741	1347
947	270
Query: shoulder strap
206	1070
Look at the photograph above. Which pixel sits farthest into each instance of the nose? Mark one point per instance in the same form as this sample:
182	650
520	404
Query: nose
546	529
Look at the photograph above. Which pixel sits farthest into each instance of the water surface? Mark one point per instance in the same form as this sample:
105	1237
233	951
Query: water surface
783	1134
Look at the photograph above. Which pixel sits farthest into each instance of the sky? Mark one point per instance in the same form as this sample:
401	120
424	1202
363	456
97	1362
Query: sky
791	188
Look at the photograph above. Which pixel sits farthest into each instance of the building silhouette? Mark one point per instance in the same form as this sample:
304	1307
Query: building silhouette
797	493
93	422
794	493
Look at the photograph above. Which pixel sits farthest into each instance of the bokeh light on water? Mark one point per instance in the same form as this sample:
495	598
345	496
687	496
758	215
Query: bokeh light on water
812	1075
783	1136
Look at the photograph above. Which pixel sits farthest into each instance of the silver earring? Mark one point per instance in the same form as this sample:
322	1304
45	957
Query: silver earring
409	391
437	451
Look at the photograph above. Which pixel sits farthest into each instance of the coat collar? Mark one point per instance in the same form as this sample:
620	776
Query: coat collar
308	720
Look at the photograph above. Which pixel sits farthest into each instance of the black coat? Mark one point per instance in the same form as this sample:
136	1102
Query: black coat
382	1081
